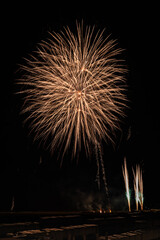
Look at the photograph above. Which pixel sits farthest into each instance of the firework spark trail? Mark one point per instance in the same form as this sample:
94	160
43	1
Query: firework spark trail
126	180
140	180
100	165
103	171
136	187
13	204
98	168
74	89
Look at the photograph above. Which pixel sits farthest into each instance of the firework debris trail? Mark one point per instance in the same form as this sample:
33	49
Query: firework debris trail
126	180
100	165
98	168
103	173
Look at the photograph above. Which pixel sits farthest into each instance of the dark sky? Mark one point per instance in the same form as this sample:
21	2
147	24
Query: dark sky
46	185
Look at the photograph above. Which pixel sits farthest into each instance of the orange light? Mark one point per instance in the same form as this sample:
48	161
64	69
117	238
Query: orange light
78	94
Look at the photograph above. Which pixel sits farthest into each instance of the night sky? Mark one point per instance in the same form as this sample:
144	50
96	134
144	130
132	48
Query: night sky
42	184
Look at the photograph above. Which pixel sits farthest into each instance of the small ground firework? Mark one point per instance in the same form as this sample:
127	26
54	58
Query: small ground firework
138	187
141	198
126	180
74	89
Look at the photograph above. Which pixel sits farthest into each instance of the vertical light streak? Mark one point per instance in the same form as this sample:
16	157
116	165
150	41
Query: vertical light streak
126	180
141	198
98	167
138	187
13	204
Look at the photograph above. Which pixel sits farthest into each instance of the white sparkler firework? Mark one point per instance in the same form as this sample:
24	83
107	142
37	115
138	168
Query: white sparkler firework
138	186
141	198
126	180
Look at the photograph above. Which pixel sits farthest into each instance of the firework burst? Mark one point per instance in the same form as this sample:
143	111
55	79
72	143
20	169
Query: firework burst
74	89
